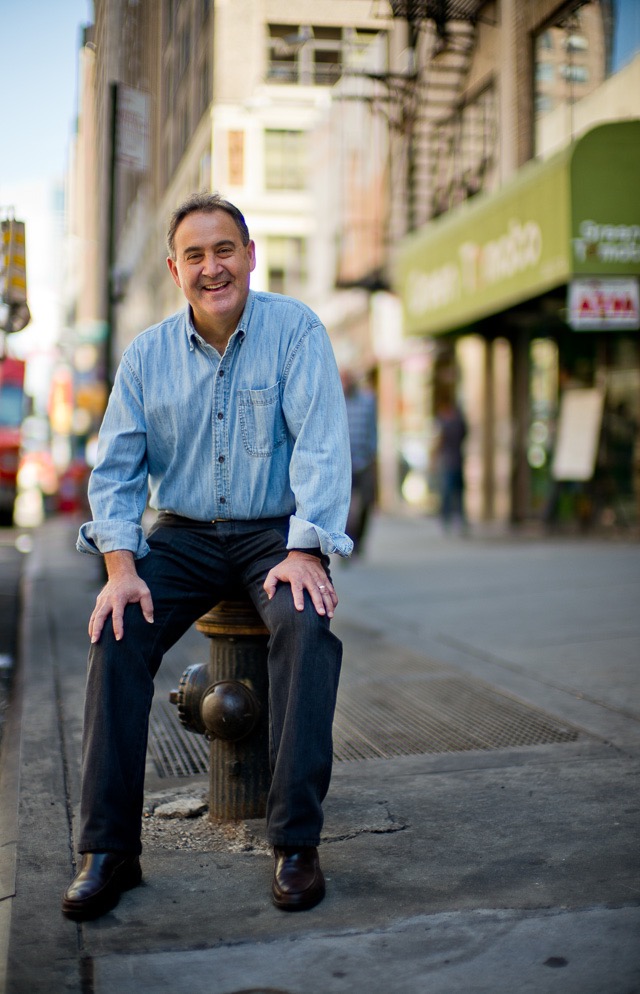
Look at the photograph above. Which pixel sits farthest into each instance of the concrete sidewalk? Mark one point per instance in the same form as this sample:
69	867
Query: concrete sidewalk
506	867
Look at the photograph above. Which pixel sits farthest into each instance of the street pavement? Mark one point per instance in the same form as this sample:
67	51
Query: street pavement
10	568
510	867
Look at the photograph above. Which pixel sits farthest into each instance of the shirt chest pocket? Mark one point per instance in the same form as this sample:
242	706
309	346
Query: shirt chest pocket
261	420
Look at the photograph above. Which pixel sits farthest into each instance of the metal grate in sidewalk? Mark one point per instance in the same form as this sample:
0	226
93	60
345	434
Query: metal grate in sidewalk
175	751
418	709
449	714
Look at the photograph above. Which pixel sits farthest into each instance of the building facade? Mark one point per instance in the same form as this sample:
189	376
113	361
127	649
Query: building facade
358	137
533	222
234	97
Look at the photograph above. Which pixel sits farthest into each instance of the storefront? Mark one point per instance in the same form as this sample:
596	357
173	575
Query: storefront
529	292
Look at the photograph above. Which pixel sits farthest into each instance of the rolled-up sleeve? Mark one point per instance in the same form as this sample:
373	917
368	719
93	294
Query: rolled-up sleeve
320	467
118	485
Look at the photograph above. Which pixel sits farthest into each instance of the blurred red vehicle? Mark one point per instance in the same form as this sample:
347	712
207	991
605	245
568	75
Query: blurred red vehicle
12	410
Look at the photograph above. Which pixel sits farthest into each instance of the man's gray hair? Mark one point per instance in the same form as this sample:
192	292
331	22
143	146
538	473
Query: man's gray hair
204	203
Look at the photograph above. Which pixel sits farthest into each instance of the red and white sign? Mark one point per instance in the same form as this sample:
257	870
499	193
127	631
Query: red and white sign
596	305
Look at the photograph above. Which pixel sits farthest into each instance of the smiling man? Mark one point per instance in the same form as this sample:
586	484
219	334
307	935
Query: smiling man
229	419
211	261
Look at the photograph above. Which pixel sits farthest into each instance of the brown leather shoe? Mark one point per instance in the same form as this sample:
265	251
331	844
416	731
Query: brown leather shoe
97	886
298	882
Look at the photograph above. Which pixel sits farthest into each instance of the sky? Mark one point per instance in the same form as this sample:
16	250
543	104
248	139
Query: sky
37	112
39	58
40	41
626	41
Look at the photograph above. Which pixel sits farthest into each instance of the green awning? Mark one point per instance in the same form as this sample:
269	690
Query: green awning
578	213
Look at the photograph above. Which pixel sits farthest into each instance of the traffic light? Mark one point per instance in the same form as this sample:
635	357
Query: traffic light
13	275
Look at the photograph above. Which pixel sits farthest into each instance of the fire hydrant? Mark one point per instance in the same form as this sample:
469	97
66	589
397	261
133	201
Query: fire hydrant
226	700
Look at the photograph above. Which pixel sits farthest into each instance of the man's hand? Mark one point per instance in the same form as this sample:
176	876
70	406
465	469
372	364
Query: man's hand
123	587
304	572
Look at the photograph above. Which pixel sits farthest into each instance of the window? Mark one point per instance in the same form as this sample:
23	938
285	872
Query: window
235	150
11	406
204	83
283	54
571	60
544	72
184	48
185	128
167	89
325	49
544	103
577	43
316	56
574	74
286	264
204	172
285	160
167	21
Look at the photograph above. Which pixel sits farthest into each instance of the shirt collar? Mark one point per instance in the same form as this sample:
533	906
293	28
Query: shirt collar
192	335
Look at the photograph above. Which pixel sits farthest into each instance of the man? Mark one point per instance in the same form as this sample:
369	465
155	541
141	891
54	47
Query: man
229	417
363	436
449	461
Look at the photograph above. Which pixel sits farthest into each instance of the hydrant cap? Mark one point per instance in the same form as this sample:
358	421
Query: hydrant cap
230	710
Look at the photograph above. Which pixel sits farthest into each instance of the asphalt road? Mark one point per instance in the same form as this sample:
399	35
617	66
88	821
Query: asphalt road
11	562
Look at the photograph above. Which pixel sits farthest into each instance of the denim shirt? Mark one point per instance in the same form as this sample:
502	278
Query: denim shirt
259	432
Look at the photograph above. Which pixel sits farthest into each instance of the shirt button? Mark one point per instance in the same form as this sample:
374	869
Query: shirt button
220	415
220	458
223	500
221	373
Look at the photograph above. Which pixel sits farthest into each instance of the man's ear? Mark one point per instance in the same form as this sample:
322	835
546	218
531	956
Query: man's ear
173	269
251	252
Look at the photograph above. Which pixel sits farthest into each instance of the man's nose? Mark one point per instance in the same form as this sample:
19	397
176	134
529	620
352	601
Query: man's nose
211	264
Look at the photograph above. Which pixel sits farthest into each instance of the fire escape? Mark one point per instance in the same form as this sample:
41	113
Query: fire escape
442	144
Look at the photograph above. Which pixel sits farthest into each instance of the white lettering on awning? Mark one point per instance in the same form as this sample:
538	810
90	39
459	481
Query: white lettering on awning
479	266
613	243
431	291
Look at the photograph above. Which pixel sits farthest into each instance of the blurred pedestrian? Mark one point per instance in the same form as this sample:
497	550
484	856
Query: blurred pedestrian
230	414
448	454
363	437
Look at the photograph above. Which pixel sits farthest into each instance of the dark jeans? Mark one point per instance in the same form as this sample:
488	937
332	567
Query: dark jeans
363	493
190	567
452	495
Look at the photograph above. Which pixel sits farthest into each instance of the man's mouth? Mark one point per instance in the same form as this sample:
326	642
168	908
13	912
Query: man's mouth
215	287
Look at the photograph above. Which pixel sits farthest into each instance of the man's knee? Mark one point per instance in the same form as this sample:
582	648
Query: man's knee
283	614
